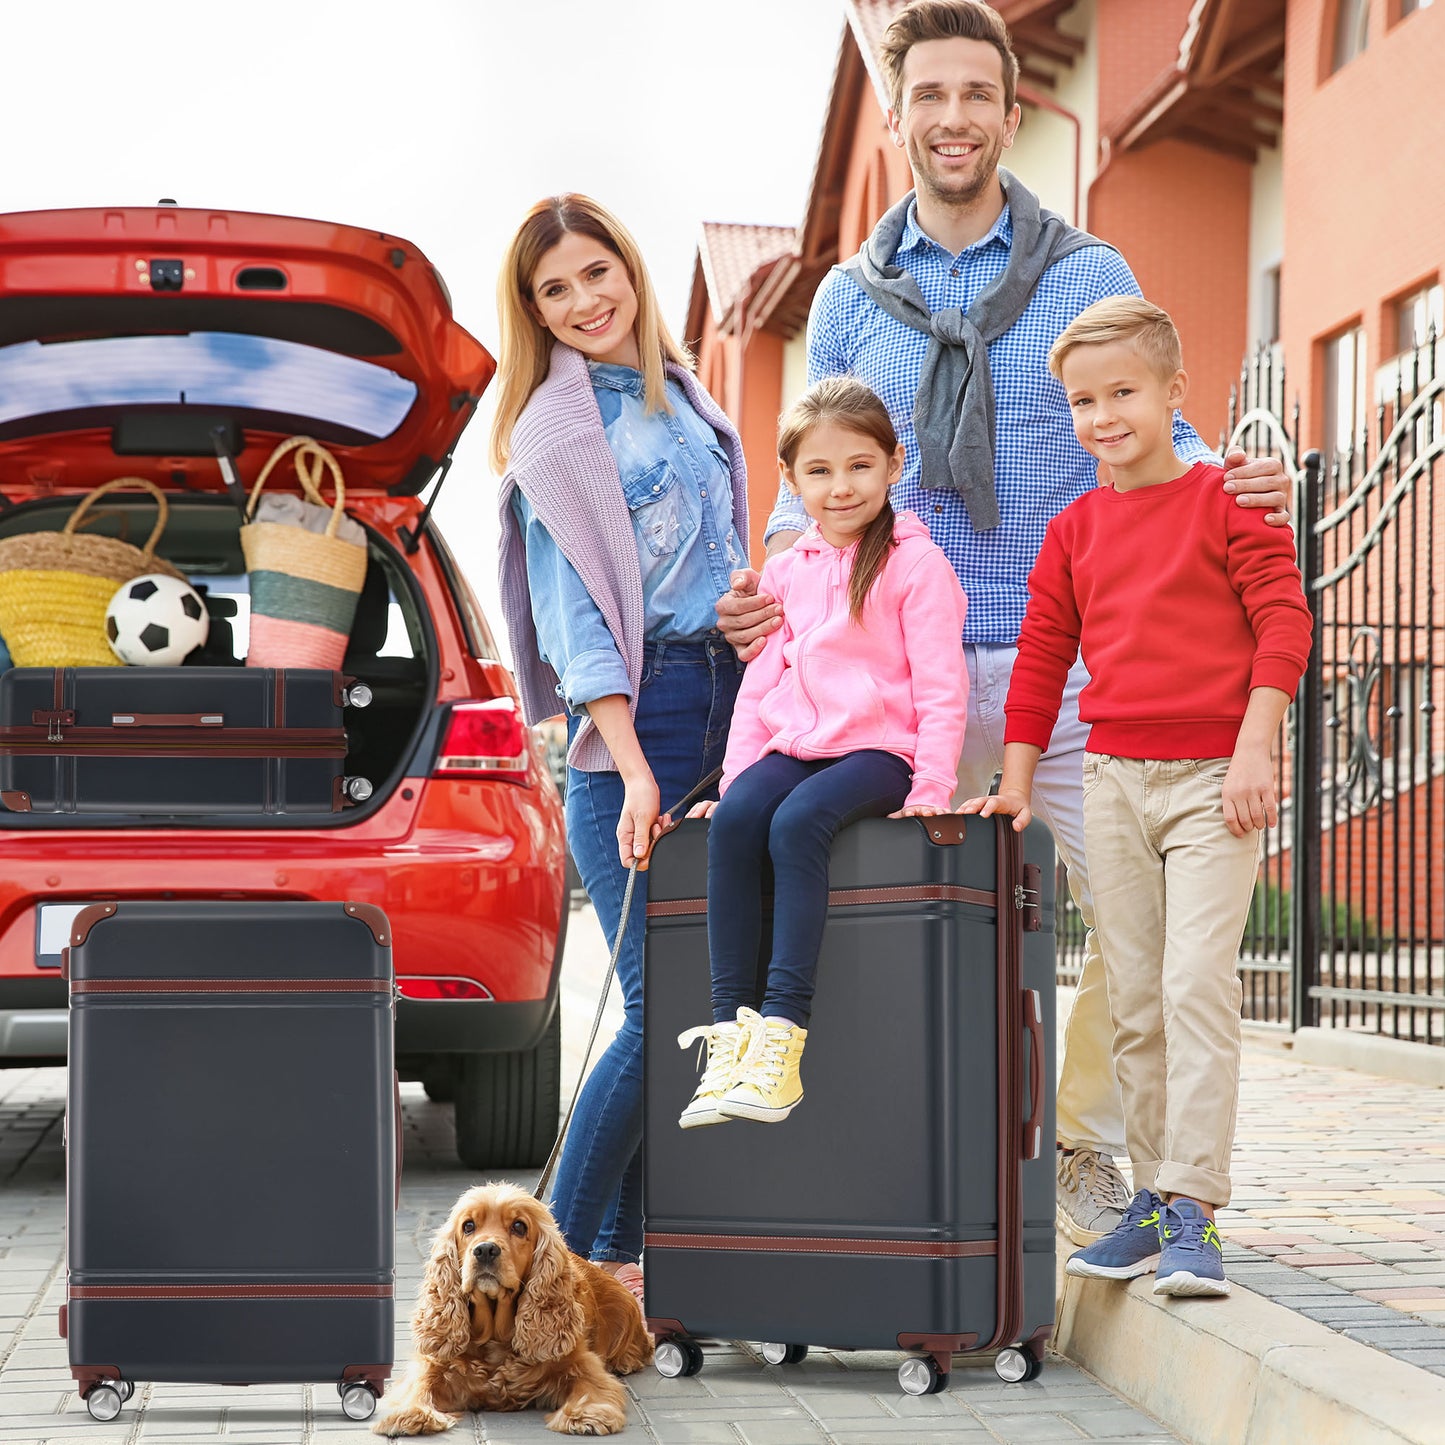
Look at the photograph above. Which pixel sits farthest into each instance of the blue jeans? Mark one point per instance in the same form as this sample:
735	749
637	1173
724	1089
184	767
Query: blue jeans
789	810
684	706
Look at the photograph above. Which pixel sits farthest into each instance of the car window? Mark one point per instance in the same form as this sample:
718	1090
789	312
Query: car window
479	636
209	368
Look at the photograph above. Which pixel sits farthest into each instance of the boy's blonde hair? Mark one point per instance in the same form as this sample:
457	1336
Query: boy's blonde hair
1148	328
945	20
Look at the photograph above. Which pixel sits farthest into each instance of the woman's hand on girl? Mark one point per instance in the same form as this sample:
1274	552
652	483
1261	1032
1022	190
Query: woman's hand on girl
638	825
703	809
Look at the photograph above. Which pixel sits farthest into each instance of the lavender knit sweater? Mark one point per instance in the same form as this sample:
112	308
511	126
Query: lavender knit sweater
561	462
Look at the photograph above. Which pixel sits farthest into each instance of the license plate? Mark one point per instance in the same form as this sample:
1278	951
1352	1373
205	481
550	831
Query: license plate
52	931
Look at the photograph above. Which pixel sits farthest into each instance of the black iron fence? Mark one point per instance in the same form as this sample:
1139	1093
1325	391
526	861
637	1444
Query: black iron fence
1347	926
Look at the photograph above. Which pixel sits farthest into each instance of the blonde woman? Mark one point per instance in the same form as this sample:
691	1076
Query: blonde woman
622	504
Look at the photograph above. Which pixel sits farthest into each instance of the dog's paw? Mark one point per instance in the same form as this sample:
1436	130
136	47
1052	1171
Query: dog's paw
585	1416
416	1420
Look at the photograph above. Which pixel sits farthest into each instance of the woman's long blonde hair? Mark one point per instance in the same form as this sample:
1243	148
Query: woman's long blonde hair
526	345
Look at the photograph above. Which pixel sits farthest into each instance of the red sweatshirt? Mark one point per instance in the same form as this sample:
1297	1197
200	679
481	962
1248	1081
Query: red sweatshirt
1181	602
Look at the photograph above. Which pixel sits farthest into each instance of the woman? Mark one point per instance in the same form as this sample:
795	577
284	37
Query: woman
623	500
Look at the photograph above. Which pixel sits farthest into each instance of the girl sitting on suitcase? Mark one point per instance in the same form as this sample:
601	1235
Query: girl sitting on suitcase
854	709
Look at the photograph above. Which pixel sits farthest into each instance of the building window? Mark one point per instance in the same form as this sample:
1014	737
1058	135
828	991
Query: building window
1419	317
1352	31
1269	307
1344	394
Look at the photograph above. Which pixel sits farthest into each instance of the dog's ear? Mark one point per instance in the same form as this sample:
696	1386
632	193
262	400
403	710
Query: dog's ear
442	1323
549	1323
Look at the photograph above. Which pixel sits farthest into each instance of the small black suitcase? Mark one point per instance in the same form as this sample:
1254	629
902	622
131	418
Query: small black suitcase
176	741
232	1147
908	1201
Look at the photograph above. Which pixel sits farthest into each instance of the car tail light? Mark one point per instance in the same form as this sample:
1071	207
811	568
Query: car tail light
485	739
441	988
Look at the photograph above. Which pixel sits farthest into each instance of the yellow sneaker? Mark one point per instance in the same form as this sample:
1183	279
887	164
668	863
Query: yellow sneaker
768	1086
724	1042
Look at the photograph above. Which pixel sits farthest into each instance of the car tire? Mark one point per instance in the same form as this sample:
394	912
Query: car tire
507	1104
439	1079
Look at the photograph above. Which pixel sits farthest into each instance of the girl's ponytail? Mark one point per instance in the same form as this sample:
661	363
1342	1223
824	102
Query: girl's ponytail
869	560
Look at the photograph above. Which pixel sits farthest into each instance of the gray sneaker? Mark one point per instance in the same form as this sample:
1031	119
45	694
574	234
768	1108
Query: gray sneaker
1091	1196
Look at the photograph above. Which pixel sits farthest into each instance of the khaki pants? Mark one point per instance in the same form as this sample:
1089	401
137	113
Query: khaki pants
1090	1115
1171	888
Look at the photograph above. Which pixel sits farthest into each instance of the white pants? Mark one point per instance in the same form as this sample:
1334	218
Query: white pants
1090	1112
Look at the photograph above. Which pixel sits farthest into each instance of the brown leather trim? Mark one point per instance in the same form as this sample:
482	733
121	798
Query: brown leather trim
340	681
229	1291
1040	1338
87	1377
941	1347
15	800
854	897
375	1375
167	719
663	1329
775	1244
230	985
374	919
948	830
86	919
1009	1310
177	742
64	1322
46	717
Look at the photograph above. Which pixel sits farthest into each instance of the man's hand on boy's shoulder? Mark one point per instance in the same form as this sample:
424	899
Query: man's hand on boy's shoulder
1248	794
1258	482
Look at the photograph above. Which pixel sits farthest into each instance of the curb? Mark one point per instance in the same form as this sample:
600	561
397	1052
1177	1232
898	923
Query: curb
1242	1371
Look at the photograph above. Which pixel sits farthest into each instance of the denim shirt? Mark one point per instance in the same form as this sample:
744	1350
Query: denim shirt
678	485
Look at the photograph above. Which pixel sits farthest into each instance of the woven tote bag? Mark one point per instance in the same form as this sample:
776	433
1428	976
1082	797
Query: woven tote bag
55	586
306	562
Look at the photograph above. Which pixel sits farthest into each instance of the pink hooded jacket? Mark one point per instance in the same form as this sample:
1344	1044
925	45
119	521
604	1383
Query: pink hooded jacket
824	686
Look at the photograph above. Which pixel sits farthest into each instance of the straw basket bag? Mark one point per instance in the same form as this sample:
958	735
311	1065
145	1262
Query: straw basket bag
55	586
306	563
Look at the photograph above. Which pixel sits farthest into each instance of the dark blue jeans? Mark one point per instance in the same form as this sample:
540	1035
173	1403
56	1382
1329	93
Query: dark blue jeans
789	811
684	706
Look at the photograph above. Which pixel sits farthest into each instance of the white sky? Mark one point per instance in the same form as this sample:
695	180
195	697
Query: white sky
440	121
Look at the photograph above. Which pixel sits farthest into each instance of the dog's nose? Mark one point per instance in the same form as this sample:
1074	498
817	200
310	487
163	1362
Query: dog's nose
487	1252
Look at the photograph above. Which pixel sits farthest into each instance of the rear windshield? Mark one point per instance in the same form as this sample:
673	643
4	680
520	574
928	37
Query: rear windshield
204	368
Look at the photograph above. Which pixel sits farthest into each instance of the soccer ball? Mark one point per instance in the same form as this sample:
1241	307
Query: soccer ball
156	621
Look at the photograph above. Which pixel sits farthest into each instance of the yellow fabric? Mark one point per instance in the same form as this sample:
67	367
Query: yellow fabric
56	619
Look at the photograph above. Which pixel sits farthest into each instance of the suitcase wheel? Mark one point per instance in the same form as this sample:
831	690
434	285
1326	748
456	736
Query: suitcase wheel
105	1400
678	1356
358	1402
778	1354
920	1375
1017	1366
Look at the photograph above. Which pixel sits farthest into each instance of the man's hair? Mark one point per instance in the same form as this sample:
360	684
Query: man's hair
945	20
1148	328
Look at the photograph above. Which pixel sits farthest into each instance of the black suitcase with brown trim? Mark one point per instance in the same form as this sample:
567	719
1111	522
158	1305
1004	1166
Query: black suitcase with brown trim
211	743
232	1147
908	1201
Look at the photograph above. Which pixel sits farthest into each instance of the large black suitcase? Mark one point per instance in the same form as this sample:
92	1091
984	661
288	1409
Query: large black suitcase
232	1150
908	1201
178	741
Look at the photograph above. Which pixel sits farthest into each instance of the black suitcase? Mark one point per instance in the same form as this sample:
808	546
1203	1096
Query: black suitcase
174	741
908	1201
232	1147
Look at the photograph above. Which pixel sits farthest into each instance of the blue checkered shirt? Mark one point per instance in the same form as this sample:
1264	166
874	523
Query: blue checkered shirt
1039	466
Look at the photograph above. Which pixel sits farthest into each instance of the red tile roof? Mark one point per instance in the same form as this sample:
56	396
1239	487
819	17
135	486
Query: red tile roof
732	253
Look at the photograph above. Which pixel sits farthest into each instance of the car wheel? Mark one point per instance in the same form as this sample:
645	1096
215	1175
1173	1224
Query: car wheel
507	1104
439	1079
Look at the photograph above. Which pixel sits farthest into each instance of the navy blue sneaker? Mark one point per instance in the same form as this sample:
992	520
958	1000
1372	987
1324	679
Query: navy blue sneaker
1191	1257
1129	1249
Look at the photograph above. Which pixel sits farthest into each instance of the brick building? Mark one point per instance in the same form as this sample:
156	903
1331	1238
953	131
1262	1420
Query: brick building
1196	135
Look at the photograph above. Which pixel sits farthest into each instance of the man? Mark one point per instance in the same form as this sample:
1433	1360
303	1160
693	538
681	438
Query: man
948	313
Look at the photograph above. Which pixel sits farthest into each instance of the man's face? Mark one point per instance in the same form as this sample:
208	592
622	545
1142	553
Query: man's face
953	123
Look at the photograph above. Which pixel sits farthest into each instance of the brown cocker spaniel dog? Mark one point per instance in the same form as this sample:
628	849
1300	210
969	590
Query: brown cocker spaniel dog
509	1317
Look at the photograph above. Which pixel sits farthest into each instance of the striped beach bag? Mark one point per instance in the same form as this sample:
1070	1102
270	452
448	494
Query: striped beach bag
306	562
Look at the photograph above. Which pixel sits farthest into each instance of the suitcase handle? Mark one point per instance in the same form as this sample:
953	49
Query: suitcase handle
167	719
1034	1025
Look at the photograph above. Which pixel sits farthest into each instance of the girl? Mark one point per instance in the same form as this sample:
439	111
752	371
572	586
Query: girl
622	502
854	709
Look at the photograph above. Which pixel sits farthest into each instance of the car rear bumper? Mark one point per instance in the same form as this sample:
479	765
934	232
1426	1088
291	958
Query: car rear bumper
471	1026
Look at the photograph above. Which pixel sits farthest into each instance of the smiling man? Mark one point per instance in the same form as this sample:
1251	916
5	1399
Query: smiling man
948	313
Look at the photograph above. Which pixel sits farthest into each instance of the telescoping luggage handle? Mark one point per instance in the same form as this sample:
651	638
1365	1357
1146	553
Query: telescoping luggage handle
675	813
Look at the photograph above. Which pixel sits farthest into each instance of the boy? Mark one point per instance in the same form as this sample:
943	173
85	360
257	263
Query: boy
1193	626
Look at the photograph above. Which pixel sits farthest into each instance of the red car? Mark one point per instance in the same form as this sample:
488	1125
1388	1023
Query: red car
128	336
